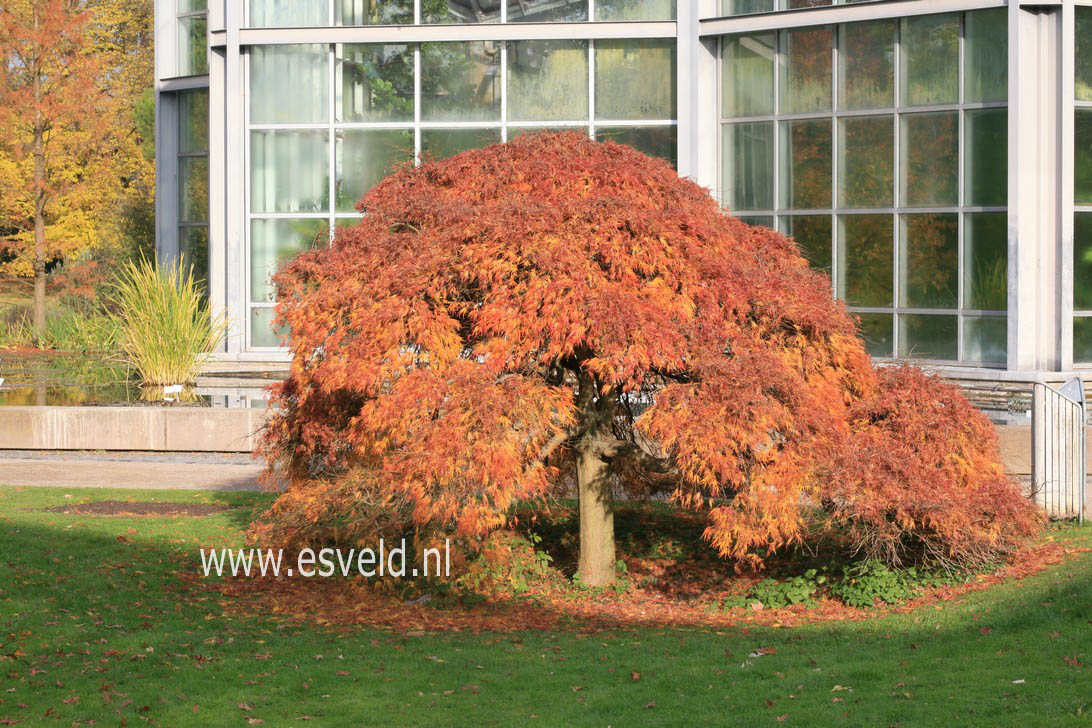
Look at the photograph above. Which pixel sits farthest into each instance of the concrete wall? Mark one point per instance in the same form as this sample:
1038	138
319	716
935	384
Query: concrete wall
194	429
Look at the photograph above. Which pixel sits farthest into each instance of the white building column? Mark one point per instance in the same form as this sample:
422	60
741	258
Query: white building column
232	186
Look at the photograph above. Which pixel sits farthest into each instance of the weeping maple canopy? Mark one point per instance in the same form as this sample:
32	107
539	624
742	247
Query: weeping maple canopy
511	314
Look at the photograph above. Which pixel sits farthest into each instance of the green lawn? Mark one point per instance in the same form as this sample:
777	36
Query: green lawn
95	627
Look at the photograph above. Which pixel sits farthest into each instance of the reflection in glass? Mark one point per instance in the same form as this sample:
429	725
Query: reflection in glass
866	171
985	261
373	12
261	328
806	172
460	81
1082	156
363	157
865	260
805	69
635	79
288	13
1082	339
289	171
930	60
548	11
515	131
1083	57
926	336
986	55
812	236
618	10
275	241
296	72
747	76
1082	261
746	7
193	184
986	155
747	166
547	80
765	221
985	339
867	65
876	330
444	143
193	127
460	11
930	159
193	46
655	141
928	260
374	82
193	247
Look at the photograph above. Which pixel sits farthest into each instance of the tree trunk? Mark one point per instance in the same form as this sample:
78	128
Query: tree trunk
596	518
40	191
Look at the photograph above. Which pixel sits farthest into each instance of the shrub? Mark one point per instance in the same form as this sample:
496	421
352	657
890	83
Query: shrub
919	478
166	327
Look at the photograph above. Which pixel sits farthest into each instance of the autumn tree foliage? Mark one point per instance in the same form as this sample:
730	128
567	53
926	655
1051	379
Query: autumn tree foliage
557	312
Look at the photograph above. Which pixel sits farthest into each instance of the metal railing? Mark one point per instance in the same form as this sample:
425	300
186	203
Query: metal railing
1058	462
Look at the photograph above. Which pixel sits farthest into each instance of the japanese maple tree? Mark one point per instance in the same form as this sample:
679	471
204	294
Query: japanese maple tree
559	313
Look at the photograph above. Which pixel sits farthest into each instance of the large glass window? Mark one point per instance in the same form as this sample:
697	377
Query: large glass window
1082	189
881	148
193	182
192	31
328	121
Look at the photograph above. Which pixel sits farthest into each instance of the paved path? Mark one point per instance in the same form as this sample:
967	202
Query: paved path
171	471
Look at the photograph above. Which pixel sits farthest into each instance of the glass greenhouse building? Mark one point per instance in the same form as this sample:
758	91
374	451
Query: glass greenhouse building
935	156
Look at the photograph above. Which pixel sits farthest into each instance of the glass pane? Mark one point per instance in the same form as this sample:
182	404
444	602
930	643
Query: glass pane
748	75
930	159
363	157
289	13
193	126
547	80
547	11
986	155
746	7
632	10
635	79
930	60
1082	261
986	261
193	46
800	4
193	184
373	83
812	236
655	141
806	171
1083	55
276	241
443	143
748	165
867	62
866	260
261	329
373	12
765	221
875	329
193	246
985	339
1082	339
288	84
192	6
289	171
805	69
923	336
986	54
460	81
866	172
515	131
928	260
460	11
1082	156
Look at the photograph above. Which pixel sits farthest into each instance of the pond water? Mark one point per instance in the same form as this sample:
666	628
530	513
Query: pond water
71	380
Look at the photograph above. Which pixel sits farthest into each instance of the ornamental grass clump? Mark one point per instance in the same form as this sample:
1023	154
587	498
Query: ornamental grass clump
167	329
558	313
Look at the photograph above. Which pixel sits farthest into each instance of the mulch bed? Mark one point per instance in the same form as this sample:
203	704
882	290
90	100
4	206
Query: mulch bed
137	508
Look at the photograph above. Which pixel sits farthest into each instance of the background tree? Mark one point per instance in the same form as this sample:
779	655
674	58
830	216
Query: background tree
557	312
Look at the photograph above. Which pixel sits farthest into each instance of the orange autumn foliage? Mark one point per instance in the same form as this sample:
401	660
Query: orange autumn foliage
495	312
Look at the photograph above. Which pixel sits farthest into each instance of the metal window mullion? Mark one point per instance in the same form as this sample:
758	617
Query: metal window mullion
417	93
960	180
896	197
504	79
331	155
591	88
835	158
777	60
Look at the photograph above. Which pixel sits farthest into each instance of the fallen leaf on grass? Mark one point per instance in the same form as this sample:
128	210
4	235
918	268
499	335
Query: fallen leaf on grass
1071	661
837	688
245	707
255	721
650	705
763	651
635	676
